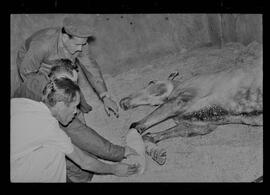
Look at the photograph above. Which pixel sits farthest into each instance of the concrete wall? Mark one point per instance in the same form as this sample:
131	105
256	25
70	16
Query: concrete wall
249	27
243	28
125	40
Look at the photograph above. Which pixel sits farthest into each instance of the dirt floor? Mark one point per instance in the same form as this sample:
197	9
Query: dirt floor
232	153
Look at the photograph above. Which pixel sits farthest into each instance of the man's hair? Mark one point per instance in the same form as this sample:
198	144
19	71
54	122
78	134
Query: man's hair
62	66
60	90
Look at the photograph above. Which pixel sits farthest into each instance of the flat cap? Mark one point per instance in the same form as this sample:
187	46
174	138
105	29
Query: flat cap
76	26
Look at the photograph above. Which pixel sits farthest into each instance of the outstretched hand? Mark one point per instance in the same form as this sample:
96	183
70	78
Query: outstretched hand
110	107
124	170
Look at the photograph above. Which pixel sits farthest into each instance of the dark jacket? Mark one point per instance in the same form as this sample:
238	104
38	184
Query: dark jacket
40	50
34	61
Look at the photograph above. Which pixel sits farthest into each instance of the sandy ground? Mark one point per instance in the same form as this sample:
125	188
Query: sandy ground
232	153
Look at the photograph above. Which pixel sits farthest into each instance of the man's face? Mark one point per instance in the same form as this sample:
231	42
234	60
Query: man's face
66	113
74	44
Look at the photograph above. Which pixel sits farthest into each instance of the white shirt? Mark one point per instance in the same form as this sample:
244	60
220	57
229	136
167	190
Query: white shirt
38	145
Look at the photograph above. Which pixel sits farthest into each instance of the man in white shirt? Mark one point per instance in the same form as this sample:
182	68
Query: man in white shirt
39	146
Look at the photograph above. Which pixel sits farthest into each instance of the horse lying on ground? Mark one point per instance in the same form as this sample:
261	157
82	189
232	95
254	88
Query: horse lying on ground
200	104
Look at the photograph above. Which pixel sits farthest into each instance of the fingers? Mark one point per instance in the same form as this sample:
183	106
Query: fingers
114	111
128	169
133	169
111	107
109	110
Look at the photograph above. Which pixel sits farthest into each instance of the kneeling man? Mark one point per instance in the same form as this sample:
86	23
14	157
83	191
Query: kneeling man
39	146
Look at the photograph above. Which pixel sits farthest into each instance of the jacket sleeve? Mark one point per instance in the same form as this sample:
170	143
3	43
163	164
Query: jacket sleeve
92	72
32	88
31	61
90	163
89	140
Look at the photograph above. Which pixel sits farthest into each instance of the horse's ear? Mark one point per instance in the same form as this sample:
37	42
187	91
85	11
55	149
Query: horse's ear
152	82
173	75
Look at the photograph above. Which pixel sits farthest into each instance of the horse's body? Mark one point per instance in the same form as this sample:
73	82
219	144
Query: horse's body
199	105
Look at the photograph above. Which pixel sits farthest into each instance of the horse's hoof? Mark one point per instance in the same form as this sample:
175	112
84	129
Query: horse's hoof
158	155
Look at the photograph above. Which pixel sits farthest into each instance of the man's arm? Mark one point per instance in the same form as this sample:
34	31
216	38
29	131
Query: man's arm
96	80
94	76
30	62
32	88
88	162
89	140
92	164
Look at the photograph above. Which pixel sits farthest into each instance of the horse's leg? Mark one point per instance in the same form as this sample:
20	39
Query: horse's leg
182	129
252	120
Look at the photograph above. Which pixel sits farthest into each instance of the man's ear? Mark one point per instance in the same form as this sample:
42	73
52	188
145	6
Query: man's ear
65	37
75	76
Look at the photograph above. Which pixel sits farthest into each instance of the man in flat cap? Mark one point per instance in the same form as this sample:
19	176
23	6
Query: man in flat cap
36	56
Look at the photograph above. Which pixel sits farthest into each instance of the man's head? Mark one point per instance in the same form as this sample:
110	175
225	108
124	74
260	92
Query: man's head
63	68
62	97
75	33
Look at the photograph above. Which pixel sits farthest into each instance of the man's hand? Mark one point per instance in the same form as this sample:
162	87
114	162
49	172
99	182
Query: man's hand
124	170
129	151
110	106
